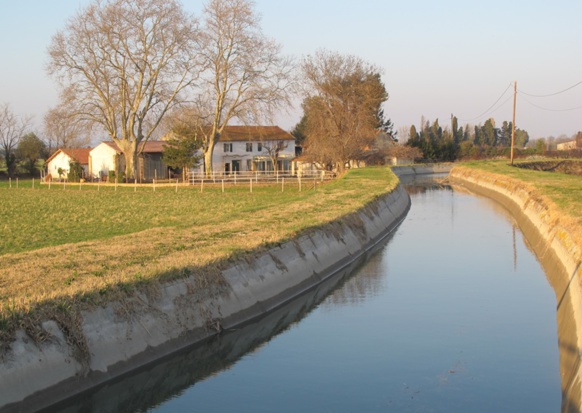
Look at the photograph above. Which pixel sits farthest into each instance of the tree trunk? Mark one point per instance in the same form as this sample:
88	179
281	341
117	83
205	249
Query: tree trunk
129	150
11	165
208	159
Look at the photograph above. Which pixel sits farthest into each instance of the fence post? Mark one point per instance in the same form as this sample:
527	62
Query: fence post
299	178
16	182
202	185
251	184
154	184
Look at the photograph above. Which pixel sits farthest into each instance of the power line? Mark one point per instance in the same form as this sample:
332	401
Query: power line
551	94
551	110
490	107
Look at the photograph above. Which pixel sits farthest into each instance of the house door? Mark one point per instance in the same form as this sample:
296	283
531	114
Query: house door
235	166
227	168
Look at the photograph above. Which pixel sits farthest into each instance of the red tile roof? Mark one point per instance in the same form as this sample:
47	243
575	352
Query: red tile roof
148	147
254	133
80	155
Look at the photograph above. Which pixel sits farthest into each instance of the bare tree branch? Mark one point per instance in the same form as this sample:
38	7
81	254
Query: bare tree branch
246	78
124	64
12	129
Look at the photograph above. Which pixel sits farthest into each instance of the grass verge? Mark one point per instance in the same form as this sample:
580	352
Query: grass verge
562	190
67	248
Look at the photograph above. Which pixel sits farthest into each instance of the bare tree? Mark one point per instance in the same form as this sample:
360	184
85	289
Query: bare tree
246	77
123	64
274	149
12	128
403	134
65	131
344	95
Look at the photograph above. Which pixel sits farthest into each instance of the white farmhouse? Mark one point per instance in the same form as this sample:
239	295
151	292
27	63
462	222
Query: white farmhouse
252	148
61	159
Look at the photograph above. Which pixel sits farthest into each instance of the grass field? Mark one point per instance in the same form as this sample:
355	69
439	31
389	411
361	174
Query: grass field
70	246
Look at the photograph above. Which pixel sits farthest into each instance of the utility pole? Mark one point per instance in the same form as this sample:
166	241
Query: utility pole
513	122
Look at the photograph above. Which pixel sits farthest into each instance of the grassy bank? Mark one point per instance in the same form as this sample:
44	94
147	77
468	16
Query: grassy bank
71	247
562	191
559	193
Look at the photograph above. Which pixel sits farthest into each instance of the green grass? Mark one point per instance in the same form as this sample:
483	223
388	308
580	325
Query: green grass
563	189
83	246
39	217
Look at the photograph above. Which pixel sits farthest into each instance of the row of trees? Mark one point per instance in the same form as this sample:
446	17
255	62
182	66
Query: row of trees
124	65
471	141
18	145
128	67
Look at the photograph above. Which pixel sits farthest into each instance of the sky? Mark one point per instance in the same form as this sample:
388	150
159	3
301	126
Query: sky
437	58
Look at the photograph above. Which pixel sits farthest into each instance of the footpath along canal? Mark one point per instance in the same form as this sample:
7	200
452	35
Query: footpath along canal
453	313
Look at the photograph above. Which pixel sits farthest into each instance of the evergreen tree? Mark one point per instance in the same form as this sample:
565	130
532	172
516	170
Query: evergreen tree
29	150
489	132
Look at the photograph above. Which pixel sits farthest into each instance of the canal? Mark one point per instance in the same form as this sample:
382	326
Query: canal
452	313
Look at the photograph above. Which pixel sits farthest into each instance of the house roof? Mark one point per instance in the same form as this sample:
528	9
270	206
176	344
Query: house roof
80	155
254	133
148	147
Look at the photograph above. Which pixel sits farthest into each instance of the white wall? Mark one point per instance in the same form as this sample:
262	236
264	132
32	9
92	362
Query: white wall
239	153
101	160
61	160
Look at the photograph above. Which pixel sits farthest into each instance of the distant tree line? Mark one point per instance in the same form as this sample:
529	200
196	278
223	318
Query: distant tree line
471	141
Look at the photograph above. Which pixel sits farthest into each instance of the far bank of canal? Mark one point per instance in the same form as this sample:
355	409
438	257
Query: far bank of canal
453	314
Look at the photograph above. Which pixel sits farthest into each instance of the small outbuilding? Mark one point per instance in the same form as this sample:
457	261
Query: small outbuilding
107	157
58	164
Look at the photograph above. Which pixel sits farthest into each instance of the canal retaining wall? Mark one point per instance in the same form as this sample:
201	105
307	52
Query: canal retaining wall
560	252
428	169
124	335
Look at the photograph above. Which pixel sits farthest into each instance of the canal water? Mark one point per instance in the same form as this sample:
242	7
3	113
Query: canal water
453	313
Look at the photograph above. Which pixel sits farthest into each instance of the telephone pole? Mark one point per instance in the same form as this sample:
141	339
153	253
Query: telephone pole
513	122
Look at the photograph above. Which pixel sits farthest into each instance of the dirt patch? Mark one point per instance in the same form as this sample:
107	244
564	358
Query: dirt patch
570	167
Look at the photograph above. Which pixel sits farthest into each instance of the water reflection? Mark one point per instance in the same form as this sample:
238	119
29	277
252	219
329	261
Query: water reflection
166	379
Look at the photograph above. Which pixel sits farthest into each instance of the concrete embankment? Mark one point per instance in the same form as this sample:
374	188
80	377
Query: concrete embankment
428	169
560	255
125	335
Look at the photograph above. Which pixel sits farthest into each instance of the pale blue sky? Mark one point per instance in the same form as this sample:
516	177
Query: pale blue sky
438	58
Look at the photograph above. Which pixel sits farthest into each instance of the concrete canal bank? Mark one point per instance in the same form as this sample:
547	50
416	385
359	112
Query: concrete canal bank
124	335
560	255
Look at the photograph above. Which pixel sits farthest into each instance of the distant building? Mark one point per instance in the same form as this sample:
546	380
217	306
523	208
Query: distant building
252	148
567	146
575	144
107	157
61	160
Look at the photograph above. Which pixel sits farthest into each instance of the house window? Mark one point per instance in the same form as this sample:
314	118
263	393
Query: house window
228	147
259	147
249	146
